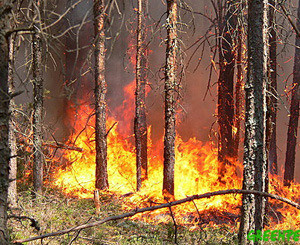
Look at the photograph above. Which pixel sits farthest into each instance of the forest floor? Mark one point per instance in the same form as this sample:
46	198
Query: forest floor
55	211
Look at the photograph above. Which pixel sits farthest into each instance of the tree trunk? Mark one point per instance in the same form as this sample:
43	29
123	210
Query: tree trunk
12	189
238	95
140	124
170	98
225	86
38	100
294	113
271	98
4	126
255	164
100	94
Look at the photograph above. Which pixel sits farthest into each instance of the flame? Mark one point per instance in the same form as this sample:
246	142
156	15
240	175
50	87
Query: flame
196	172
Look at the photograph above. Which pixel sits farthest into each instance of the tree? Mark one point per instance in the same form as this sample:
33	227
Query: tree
294	113
100	94
225	84
272	89
12	190
170	98
140	124
38	101
5	10
255	162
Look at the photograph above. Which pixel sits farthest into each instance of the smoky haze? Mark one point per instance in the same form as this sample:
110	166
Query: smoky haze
74	81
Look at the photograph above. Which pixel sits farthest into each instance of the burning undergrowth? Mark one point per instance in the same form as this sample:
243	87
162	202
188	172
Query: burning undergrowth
196	172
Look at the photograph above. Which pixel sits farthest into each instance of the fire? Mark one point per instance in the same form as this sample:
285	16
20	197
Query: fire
196	172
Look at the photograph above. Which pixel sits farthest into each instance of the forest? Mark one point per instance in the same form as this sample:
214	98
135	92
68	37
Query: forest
149	122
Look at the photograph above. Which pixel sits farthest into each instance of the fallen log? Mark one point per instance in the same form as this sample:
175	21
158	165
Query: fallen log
165	205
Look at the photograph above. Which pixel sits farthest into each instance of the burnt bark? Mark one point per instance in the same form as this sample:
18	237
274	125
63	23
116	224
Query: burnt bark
38	101
12	189
100	96
140	123
225	86
170	98
289	168
4	124
272	95
255	159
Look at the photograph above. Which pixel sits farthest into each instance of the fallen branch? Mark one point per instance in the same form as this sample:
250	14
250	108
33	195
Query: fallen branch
34	223
165	205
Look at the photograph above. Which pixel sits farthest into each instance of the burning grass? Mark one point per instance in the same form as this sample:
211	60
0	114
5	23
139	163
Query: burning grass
196	172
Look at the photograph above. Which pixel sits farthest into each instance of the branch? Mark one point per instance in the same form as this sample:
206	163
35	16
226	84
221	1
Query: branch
63	146
34	223
165	205
288	16
110	128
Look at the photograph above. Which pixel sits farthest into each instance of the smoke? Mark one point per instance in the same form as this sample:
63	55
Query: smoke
197	116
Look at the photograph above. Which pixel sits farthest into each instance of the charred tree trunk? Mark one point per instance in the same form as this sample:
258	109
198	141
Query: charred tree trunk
289	169
12	189
255	162
140	124
38	101
225	87
271	98
170	98
100	94
4	123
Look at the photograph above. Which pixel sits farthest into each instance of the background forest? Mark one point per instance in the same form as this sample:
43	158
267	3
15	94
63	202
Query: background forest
111	108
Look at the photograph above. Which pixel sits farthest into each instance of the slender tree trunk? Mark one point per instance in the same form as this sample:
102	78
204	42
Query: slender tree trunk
238	95
38	100
140	124
255	162
289	169
170	98
225	86
272	101
100	94
12	189
4	125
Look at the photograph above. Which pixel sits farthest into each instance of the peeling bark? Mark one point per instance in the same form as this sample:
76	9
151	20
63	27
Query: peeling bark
100	96
170	98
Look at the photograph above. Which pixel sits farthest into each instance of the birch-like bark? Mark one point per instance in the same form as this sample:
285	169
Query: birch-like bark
289	169
12	189
140	124
100	96
255	162
170	98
